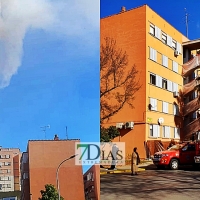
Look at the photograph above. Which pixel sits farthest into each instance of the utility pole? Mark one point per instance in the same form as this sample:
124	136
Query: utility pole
186	22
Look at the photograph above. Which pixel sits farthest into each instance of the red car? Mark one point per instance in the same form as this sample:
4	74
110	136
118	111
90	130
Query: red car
179	154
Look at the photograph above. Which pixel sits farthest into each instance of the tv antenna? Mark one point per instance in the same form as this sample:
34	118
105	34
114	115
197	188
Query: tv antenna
186	21
44	129
66	133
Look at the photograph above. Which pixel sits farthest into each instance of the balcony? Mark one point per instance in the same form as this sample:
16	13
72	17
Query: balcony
191	128
189	87
191	107
190	66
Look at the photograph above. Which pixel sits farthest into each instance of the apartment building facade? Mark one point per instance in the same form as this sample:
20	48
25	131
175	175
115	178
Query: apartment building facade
155	48
39	166
10	169
92	183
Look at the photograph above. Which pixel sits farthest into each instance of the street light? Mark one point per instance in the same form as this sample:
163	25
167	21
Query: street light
57	178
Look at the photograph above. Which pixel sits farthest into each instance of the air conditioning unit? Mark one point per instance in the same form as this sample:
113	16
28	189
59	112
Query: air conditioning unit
129	125
175	94
119	125
176	53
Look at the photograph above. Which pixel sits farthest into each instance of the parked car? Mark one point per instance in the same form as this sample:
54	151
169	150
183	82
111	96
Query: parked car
180	154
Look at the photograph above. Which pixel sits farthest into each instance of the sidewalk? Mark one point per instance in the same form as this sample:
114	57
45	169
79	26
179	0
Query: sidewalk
126	168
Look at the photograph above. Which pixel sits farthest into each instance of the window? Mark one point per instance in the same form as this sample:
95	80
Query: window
179	48
153	103
169	40
153	54
157	32
7	163
165	107
174	44
175	66
164	84
166	132
164	61
3	156
169	85
164	38
153	79
158	81
176	109
152	29
174	87
154	130
177	133
7	156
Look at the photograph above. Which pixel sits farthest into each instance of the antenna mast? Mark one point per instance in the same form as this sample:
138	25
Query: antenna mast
44	129
66	133
186	22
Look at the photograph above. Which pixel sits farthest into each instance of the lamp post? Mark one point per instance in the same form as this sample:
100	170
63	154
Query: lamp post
57	178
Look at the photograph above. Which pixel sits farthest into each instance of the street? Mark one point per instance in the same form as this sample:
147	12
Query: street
152	184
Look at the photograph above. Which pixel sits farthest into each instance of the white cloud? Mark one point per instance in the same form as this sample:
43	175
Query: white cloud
70	18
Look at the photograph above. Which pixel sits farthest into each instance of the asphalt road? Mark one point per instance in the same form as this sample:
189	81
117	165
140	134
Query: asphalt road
152	184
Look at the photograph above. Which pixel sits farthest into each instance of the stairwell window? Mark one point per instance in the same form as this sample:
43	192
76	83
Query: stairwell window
153	79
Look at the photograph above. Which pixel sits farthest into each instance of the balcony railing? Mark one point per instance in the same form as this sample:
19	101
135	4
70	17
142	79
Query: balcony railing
191	107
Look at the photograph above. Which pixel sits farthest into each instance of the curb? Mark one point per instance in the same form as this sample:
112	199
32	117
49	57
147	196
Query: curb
118	171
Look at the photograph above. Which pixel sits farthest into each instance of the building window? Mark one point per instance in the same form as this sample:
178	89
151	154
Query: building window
175	66
169	85
153	54
175	87
176	109
164	84
177	133
165	107
7	156
169	41
7	163
153	79
164	61
153	103
174	44
158	81
166	132
164	38
152	29
154	130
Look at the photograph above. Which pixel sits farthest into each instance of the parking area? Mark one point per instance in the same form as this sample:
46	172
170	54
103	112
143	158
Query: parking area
183	184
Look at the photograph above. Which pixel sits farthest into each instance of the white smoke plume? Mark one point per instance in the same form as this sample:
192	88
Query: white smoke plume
66	17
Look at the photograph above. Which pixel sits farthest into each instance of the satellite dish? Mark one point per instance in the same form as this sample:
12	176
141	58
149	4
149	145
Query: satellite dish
160	120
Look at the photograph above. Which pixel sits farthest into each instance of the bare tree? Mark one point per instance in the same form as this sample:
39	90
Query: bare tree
118	85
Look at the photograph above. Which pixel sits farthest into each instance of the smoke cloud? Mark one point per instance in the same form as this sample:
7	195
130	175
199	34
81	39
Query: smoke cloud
65	17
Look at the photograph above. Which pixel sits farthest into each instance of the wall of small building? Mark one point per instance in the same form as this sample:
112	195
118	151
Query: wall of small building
44	159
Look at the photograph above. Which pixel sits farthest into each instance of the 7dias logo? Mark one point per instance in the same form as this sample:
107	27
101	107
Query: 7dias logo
106	153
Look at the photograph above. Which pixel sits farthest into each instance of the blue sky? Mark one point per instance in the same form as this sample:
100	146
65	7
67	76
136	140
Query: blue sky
172	11
49	73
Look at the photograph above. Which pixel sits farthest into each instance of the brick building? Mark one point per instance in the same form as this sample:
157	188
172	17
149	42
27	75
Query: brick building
155	47
39	165
92	183
9	169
